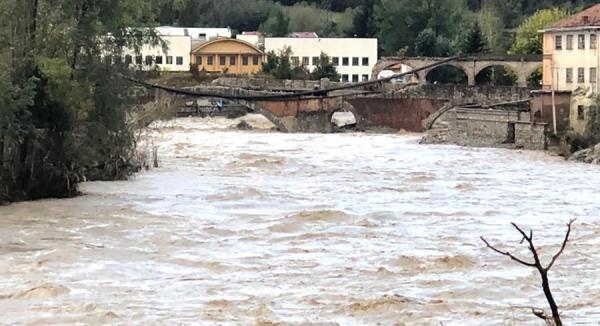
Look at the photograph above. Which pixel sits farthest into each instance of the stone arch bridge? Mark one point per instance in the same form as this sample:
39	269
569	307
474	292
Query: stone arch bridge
287	111
523	66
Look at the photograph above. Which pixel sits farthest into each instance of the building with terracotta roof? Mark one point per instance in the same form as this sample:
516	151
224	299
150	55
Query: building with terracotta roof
571	61
226	55
571	56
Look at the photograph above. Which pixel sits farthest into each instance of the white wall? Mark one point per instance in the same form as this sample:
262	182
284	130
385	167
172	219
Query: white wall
251	38
194	32
575	58
178	46
339	48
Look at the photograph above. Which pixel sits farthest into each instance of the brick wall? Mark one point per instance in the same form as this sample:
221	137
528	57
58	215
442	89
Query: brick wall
400	113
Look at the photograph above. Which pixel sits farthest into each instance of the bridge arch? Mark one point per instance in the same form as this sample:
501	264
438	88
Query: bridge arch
496	75
359	122
534	78
449	73
522	69
523	65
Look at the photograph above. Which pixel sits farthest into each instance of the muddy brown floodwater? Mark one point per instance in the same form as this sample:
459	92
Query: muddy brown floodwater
262	228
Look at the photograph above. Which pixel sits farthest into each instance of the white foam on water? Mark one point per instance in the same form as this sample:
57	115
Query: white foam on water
256	227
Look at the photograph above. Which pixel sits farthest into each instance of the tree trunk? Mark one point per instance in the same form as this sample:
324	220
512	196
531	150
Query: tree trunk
34	15
551	302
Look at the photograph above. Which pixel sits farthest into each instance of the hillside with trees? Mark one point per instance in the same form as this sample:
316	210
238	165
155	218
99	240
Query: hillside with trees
402	26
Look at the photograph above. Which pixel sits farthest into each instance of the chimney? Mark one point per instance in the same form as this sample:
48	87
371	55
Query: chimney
586	19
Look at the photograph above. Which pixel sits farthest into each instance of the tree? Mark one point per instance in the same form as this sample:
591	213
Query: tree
64	112
395	33
542	270
528	39
277	24
425	43
279	65
493	28
474	42
429	44
364	24
325	69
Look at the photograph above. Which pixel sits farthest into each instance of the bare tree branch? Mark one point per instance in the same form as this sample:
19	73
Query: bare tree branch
508	254
540	313
555	319
564	244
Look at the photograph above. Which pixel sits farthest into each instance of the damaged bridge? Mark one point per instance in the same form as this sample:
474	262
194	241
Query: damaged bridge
374	103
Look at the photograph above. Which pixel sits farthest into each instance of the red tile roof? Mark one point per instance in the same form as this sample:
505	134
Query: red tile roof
588	17
303	35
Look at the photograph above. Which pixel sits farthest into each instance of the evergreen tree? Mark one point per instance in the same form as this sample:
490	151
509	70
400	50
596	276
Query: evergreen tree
474	41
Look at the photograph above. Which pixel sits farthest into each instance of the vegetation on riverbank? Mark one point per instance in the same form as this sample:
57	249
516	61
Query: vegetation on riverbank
63	115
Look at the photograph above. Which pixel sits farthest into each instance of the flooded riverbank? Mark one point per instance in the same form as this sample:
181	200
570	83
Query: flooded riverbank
259	228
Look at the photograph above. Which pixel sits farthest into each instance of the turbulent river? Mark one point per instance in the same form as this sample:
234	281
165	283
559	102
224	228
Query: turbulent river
263	228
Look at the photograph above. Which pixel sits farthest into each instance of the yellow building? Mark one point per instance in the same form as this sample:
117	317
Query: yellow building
571	52
229	56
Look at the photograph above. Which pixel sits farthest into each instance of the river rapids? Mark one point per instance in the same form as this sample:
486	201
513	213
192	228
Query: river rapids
264	228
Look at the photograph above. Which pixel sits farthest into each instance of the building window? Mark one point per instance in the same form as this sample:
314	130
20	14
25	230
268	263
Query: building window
355	61
295	61
179	61
345	61
569	75
580	113
138	59
148	60
593	41
335	61
315	61
222	60
344	78
108	59
365	61
159	59
569	42
305	61
355	78
245	60
558	42
232	60
255	60
169	60
128	59
581	41
593	75
198	59
210	60
580	75
365	77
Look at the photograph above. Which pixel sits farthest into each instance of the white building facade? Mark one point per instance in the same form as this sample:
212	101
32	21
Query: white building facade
176	56
354	58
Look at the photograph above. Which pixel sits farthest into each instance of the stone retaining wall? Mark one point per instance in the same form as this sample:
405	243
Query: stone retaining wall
495	128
